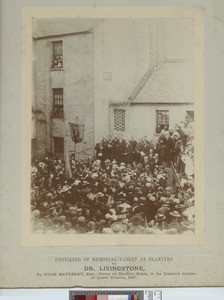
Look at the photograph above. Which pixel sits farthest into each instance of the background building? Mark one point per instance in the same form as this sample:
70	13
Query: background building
117	76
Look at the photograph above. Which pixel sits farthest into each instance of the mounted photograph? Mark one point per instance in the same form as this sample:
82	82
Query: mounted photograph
113	126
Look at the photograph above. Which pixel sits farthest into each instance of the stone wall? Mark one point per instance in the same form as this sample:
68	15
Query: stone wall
100	67
140	120
76	79
121	58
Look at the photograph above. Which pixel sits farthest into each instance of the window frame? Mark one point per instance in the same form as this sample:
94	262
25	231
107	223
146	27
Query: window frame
160	125
57	151
190	113
55	55
58	103
122	117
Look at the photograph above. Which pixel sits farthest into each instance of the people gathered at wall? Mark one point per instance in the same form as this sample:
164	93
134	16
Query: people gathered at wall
124	189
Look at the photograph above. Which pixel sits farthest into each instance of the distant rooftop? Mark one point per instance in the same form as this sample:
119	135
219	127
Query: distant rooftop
58	26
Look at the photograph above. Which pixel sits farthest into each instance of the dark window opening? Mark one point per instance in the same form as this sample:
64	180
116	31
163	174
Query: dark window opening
190	115
162	120
59	146
58	107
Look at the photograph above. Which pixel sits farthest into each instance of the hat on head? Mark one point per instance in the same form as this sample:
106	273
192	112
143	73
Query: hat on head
113	218
34	170
35	213
65	188
107	216
185	214
176	200
107	230
142	199
45	204
175	214
98	162
91	196
67	225
180	206
107	162
151	198
151	223
163	199
160	217
91	225
160	176
117	227
169	189
140	193
52	209
85	183
49	196
76	182
137	219
71	208
41	164
60	202
160	189
125	206
171	199
81	219
136	200
122	167
99	195
95	175
61	219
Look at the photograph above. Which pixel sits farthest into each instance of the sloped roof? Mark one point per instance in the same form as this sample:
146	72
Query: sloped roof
173	82
58	26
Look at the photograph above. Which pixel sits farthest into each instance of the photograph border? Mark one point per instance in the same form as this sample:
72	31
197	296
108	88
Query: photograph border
64	240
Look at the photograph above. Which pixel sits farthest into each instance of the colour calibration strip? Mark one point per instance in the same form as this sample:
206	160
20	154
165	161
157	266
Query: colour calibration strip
106	295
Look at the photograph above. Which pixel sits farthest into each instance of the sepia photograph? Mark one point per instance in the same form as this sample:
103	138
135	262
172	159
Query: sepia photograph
111	157
112	146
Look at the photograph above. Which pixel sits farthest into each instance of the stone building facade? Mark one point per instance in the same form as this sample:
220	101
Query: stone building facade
120	76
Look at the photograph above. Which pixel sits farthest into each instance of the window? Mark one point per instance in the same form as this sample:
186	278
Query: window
119	119
59	146
57	57
58	111
162	120
190	115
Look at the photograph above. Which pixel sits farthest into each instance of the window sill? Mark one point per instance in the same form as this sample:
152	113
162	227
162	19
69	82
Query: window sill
56	69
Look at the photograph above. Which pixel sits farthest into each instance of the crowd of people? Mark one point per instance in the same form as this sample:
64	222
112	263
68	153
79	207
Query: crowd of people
174	146
57	62
125	188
